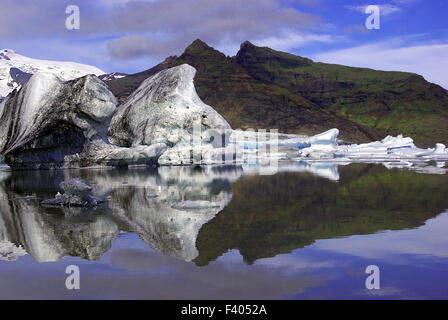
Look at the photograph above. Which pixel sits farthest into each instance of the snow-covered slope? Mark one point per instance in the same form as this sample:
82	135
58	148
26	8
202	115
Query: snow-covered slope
15	70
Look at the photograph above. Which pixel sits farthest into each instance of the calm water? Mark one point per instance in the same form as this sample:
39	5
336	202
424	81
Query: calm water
307	232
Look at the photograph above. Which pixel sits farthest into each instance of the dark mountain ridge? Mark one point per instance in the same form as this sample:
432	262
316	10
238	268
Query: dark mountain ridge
263	88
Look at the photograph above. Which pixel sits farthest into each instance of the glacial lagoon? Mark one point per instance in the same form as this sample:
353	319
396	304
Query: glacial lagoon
307	232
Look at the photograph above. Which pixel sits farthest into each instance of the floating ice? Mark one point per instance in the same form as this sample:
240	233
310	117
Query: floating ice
325	146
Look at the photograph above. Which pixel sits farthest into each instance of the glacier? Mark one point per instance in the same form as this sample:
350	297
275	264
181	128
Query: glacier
16	70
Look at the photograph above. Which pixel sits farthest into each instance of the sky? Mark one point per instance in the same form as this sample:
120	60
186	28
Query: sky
133	35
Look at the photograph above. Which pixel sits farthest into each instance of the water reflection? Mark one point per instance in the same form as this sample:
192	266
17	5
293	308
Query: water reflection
259	215
290	210
139	201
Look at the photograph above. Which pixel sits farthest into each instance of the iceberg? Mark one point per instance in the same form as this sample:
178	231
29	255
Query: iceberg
50	124
325	146
164	109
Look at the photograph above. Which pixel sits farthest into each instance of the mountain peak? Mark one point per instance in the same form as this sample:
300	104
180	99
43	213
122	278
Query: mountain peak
252	54
198	44
201	50
247	44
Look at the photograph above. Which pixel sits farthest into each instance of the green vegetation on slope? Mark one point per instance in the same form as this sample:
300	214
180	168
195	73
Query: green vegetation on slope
264	88
248	103
392	102
123	87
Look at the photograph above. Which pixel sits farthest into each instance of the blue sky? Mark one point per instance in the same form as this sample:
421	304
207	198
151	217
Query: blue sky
131	36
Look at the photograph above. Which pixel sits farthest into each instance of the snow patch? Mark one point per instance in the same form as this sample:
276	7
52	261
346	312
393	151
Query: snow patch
64	70
10	252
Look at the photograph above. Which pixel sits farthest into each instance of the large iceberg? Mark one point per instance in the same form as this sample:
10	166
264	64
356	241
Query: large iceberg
54	124
50	123
49	119
164	109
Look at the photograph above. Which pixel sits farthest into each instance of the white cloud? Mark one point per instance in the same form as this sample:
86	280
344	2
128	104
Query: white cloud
405	1
292	40
430	60
392	246
176	23
287	40
68	50
112	3
385	9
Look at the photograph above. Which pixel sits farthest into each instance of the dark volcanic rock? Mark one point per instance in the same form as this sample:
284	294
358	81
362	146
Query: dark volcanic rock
19	77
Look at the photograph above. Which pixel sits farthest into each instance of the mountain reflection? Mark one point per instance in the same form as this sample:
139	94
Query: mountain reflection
260	215
270	215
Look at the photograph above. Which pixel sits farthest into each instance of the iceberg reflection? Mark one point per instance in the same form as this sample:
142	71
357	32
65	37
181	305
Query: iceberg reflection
140	201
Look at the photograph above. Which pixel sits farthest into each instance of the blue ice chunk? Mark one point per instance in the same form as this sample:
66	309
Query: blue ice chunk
400	147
